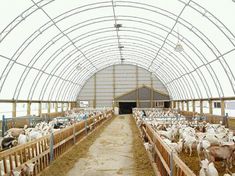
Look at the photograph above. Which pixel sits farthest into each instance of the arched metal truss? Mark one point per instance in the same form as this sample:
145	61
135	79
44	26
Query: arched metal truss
93	43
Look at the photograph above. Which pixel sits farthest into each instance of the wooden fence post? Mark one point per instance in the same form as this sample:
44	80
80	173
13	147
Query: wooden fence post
3	125
86	126
171	164
51	147
74	137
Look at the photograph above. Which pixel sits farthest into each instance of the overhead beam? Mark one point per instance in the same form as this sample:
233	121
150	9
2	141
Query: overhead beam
213	99
32	101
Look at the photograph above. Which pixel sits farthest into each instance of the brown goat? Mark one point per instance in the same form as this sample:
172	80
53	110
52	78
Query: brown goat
224	153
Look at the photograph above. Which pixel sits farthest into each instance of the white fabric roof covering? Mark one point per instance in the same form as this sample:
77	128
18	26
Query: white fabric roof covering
43	41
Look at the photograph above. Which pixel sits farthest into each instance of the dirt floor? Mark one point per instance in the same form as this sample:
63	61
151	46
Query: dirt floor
111	150
142	164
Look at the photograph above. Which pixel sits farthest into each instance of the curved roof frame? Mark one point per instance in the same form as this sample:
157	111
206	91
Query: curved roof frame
89	43
172	47
136	39
223	62
142	48
75	75
225	65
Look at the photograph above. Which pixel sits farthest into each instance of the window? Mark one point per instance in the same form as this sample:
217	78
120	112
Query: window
160	104
52	108
21	109
217	104
6	110
230	108
34	109
44	107
84	104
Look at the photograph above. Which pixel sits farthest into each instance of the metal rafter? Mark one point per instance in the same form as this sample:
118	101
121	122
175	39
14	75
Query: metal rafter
117	29
221	55
176	20
62	32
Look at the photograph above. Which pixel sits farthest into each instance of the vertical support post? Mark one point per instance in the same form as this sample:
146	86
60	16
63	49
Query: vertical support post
193	104
40	109
51	147
86	126
28	108
14	109
94	100
48	107
174	104
210	107
151	93
56	107
171	164
201	107
137	87
178	105
187	104
74	137
62	107
114	86
3	125
222	107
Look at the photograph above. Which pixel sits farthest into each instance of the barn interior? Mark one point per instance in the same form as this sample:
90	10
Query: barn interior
107	88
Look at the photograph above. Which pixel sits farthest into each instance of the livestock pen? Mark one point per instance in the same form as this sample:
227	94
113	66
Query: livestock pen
162	152
44	150
167	162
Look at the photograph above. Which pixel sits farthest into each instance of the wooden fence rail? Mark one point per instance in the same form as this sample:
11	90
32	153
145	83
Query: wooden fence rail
168	162
45	149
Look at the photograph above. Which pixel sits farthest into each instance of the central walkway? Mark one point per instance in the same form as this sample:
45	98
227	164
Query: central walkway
111	154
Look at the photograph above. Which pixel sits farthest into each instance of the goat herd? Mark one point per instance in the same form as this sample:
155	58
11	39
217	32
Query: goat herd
18	136
213	143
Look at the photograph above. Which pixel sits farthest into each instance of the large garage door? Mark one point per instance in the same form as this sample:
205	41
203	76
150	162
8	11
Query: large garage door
126	107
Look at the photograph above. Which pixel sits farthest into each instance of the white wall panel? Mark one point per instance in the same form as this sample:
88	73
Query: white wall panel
123	77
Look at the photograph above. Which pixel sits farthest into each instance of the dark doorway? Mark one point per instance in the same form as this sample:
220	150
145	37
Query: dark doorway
126	107
167	104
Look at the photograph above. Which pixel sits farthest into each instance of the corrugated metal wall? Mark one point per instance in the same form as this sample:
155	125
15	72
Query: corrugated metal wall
115	81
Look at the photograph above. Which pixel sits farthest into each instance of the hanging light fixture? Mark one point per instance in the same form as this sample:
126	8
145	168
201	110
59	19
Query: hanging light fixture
178	48
122	60
78	67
